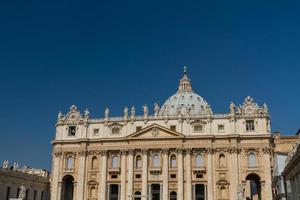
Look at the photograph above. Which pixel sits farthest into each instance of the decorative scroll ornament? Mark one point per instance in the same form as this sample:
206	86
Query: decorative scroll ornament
58	153
251	108
73	116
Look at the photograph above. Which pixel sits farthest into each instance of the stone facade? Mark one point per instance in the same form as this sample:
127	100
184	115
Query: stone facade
292	172
182	151
26	183
282	145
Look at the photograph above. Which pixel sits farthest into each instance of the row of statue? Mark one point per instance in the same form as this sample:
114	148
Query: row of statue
5	165
132	114
249	107
25	169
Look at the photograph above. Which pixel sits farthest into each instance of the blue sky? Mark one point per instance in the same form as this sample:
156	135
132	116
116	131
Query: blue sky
115	53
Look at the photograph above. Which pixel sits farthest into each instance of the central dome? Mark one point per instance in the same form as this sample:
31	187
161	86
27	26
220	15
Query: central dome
185	101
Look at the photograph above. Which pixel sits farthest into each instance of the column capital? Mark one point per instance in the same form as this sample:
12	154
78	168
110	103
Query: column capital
165	151
103	153
234	150
124	152
179	151
144	151
189	151
131	152
210	150
82	153
57	153
266	150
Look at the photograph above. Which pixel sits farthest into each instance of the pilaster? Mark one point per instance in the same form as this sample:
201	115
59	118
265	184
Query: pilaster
123	175
165	173
180	174
145	174
102	188
130	174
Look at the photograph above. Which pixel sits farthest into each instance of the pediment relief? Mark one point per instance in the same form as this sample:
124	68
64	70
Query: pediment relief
155	131
198	121
114	124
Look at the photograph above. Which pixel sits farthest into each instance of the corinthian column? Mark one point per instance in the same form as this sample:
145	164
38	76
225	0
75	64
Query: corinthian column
123	175
81	175
165	173
180	174
145	174
130	174
55	185
102	187
188	174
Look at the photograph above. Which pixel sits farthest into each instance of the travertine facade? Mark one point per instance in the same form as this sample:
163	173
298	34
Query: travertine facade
282	145
182	151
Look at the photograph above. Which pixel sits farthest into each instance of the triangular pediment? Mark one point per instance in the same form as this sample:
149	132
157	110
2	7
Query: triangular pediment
155	131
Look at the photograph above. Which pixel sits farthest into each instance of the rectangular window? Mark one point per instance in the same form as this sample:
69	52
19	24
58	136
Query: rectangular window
114	176
138	128
199	175
250	125
173	128
72	130
221	128
115	130
173	175
96	131
137	176
198	128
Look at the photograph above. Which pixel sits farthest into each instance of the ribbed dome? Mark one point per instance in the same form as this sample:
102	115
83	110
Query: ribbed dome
185	101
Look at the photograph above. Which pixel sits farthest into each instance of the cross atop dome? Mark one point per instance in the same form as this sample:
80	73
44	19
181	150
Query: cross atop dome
185	84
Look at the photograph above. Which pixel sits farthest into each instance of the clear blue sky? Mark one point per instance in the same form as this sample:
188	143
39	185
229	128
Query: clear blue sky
115	53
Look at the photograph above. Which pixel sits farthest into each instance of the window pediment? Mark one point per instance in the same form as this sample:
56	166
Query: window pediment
155	131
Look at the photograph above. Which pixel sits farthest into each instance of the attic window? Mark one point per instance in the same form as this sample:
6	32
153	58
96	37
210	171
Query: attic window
115	130
173	128
221	128
250	125
198	128
96	131
72	130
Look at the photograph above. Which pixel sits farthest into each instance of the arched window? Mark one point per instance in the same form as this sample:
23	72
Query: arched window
156	160
173	163
137	195
173	195
70	162
94	163
222	161
115	162
138	162
199	161
93	192
251	160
